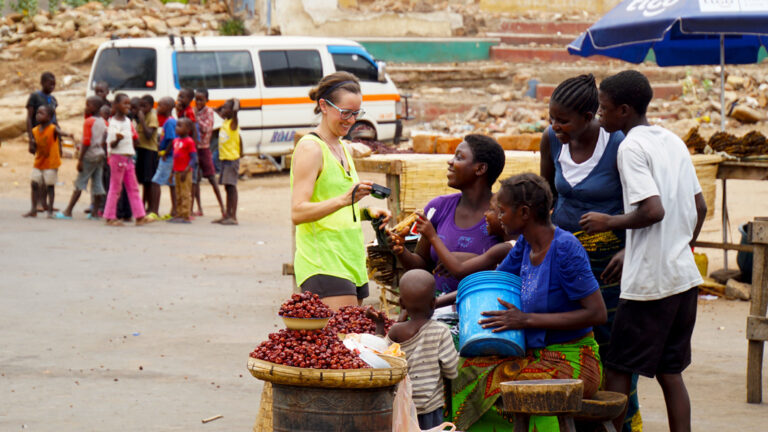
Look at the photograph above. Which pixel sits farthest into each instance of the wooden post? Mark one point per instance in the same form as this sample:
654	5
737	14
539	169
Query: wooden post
393	201
757	324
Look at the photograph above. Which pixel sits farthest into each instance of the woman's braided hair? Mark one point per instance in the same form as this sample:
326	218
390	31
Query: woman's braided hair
578	94
527	189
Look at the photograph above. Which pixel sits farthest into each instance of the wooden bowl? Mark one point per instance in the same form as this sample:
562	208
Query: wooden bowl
602	406
542	397
305	323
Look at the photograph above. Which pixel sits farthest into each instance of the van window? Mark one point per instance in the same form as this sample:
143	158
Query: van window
215	69
358	66
127	68
291	68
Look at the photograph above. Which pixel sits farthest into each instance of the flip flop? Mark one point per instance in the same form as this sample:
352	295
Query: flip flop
92	217
60	215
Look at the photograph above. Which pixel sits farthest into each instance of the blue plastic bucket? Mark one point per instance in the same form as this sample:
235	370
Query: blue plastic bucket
478	293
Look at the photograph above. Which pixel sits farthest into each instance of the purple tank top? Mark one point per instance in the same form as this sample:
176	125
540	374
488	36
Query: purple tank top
474	240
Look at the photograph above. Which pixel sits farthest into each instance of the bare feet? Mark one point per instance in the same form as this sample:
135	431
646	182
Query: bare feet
114	222
229	221
219	220
50	215
143	221
29	214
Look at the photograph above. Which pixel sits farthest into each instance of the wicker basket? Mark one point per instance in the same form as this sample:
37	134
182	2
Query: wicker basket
331	378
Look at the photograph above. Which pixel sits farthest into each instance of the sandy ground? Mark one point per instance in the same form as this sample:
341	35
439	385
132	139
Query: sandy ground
149	328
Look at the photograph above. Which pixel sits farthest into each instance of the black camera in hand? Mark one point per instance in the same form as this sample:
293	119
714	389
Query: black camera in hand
379	191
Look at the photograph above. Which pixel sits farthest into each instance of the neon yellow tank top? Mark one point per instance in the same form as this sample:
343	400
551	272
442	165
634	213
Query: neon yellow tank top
332	245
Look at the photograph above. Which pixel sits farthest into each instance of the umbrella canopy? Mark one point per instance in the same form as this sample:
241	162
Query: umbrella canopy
680	32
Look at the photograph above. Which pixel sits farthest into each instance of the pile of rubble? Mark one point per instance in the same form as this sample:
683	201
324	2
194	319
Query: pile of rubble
507	110
476	20
74	34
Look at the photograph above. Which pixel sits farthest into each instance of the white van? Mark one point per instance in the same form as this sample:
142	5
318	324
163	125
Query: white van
271	75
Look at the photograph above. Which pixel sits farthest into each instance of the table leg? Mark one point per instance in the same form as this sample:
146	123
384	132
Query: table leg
393	201
521	422
758	307
725	226
566	423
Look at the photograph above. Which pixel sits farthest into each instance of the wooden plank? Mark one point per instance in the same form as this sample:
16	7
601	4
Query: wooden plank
758	232
743	170
758	306
393	200
757	328
725	246
379	166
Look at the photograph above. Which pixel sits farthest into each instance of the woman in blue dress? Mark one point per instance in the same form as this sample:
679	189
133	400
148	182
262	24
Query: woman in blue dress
578	159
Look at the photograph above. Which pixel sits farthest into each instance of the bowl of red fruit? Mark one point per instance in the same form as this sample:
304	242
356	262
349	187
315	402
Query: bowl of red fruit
305	311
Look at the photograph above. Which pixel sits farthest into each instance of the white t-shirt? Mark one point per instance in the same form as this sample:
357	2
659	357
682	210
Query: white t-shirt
658	263
574	172
123	127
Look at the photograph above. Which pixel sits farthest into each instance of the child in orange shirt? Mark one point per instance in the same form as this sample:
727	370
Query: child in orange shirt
46	147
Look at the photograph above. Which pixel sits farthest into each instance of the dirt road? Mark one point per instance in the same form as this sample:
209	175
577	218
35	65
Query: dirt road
128	329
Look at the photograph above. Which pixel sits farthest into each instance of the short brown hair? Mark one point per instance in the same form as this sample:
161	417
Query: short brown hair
328	87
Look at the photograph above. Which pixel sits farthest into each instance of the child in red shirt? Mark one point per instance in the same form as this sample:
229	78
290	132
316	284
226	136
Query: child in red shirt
184	162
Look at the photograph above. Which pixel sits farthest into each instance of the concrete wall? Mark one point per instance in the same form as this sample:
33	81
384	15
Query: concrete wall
565	6
311	18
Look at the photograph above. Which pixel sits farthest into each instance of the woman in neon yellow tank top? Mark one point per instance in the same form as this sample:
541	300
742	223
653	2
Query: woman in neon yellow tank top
330	254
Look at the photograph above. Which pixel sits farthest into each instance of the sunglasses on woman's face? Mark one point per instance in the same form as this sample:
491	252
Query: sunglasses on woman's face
346	114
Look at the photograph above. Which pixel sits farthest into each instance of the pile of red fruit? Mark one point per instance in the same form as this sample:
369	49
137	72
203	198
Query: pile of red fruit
305	305
352	319
317	349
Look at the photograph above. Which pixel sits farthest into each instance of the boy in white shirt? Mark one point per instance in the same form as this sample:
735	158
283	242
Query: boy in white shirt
664	210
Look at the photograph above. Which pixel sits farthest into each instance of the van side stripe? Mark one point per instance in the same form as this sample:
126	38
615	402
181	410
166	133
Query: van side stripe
257	103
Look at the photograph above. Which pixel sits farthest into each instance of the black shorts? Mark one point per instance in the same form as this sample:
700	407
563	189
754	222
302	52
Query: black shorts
653	337
146	165
331	286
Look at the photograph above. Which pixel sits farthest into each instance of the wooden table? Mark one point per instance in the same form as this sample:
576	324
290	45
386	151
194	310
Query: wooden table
417	178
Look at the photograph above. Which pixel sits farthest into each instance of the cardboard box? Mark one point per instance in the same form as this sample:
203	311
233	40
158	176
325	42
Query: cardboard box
520	142
424	143
447	144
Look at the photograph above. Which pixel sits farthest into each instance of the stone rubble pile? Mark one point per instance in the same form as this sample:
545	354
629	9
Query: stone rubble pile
73	35
516	120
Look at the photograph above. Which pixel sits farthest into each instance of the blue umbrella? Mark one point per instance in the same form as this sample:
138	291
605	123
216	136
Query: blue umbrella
680	32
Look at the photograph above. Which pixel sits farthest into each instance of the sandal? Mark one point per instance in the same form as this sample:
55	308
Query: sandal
60	215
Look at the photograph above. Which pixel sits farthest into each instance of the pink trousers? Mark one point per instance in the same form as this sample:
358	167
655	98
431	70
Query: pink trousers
123	171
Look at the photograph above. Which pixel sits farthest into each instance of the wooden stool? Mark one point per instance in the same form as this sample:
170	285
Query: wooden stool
555	397
603	407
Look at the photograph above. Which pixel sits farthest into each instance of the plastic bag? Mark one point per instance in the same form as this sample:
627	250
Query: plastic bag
404	417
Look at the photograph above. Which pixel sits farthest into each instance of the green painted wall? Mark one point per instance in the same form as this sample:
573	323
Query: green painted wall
429	50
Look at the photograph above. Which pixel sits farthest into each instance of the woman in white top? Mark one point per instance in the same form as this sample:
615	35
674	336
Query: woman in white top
122	170
578	159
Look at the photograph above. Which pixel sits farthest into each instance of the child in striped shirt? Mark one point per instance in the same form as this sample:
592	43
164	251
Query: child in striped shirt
427	344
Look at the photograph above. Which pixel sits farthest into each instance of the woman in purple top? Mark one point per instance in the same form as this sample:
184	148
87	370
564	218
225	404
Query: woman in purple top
460	218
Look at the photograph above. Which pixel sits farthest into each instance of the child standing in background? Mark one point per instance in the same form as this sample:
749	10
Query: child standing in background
184	163
90	165
204	115
164	172
46	146
230	152
146	150
121	152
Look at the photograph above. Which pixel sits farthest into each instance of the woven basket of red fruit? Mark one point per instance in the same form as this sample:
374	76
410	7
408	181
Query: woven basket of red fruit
318	358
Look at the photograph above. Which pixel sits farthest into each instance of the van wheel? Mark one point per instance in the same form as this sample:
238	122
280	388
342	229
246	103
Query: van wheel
361	131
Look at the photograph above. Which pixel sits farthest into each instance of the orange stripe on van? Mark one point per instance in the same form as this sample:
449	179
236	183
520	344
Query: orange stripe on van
258	103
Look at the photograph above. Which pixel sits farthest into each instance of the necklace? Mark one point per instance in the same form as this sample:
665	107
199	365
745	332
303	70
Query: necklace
339	157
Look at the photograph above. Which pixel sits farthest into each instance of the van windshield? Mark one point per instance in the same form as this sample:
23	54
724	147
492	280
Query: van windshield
126	68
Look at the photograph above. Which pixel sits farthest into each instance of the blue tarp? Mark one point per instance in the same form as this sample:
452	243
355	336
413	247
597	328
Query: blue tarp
680	32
